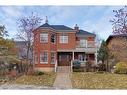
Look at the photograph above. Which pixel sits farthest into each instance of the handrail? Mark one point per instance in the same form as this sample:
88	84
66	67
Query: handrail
71	65
56	66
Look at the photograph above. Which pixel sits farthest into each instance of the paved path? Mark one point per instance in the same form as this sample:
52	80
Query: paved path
62	79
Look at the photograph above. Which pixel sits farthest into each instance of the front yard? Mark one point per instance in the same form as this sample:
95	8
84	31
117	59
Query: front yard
98	81
40	80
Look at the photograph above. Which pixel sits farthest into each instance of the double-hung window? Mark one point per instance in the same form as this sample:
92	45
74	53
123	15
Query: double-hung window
63	39
83	43
44	37
44	57
53	38
53	57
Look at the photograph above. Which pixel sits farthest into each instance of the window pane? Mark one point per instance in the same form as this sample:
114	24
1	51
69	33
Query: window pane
52	57
44	37
83	42
44	57
63	39
53	37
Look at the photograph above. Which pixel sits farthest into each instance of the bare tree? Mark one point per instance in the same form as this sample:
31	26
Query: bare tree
3	31
119	24
26	26
119	21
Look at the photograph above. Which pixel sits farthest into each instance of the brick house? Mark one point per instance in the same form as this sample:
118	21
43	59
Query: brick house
117	45
58	45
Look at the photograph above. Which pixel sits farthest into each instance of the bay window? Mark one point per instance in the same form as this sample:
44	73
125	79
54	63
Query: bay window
53	38
44	37
53	57
44	57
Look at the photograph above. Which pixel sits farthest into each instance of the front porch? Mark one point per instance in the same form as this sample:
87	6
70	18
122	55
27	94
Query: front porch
65	58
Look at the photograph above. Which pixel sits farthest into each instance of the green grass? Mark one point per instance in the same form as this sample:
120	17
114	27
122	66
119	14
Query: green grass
98	81
45	80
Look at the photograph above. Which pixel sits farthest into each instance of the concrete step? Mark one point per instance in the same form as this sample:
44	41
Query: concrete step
64	69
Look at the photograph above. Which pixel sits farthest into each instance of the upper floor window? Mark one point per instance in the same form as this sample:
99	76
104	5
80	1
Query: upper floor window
53	38
44	37
44	57
83	43
63	39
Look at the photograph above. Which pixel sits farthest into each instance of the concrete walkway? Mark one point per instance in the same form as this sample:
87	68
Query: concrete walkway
62	79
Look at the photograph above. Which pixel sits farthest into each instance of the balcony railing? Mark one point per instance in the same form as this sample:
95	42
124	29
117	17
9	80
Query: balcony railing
89	44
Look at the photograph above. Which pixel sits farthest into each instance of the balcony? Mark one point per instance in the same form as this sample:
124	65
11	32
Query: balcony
89	44
88	47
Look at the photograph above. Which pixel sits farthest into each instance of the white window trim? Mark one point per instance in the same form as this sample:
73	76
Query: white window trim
41	40
55	57
47	58
62	39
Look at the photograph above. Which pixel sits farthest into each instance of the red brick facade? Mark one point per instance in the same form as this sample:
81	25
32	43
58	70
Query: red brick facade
54	47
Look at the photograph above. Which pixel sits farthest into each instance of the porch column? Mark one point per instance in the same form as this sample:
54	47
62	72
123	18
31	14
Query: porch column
96	58
73	55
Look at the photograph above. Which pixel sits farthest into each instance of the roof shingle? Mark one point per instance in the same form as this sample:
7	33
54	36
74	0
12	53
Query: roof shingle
57	27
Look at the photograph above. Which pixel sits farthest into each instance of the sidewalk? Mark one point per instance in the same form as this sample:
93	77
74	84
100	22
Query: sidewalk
62	79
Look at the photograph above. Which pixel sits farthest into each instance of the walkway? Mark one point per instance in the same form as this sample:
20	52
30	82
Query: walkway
62	79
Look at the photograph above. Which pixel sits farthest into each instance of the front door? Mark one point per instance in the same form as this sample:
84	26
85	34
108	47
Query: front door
64	59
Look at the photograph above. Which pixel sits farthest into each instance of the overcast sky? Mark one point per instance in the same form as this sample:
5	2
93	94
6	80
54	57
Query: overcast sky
90	18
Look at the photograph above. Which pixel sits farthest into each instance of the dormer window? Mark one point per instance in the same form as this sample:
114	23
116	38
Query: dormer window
44	37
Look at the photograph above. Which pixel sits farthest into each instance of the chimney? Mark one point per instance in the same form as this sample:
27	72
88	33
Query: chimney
76	27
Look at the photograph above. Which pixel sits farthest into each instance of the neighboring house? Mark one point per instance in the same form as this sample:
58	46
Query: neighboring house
117	45
22	50
59	44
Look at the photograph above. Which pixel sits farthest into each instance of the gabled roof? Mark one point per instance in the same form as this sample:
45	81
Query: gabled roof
45	25
82	33
57	27
61	27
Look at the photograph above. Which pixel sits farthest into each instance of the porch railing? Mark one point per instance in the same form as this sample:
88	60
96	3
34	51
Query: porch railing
56	66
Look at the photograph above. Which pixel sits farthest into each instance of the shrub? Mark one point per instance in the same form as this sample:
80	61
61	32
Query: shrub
101	67
77	70
88	66
76	64
39	73
121	68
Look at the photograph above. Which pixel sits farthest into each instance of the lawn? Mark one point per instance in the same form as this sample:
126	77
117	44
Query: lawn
41	80
98	81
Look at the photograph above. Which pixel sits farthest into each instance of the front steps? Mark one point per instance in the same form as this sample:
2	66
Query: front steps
63	69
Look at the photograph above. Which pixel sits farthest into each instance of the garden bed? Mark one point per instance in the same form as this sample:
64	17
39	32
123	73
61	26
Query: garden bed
91	80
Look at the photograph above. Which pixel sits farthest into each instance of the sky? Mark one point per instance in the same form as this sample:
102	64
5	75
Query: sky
89	18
